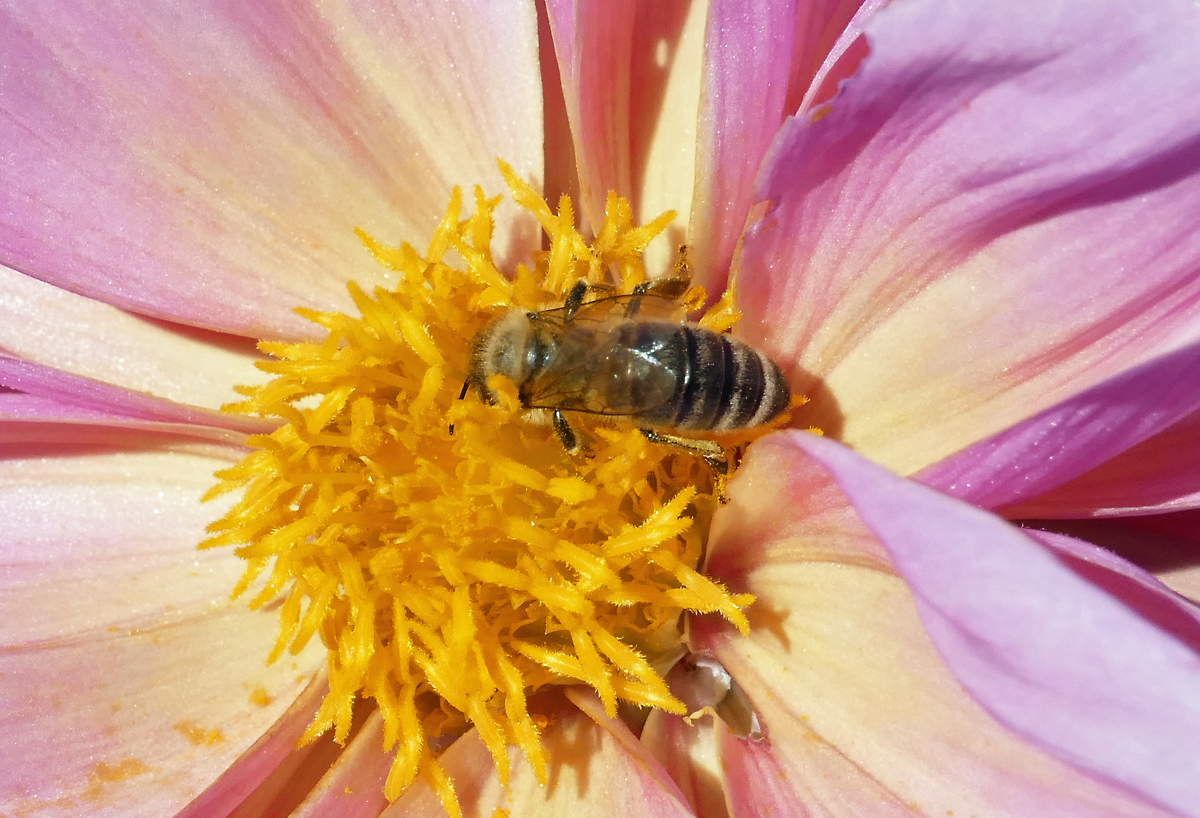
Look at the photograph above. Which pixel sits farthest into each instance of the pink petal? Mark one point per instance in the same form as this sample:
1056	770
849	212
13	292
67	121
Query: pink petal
862	717
1167	546
118	634
1019	465
942	259
53	327
747	67
353	787
1159	474
829	50
1098	666
597	770
208	162
593	40
759	60
93	399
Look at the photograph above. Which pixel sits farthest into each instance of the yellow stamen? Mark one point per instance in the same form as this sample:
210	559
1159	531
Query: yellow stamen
451	575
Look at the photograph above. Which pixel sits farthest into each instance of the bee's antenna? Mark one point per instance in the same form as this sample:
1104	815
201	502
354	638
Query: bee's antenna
461	395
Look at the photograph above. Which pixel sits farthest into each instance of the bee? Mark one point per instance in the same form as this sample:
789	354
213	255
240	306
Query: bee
625	357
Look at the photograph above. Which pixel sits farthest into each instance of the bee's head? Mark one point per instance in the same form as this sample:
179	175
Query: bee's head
507	346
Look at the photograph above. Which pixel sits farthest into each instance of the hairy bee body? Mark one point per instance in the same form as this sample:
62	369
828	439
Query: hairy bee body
606	358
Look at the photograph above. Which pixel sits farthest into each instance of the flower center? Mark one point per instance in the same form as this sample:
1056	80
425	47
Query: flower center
454	557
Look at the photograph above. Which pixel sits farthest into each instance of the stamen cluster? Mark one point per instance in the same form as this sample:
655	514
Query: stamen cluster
453	574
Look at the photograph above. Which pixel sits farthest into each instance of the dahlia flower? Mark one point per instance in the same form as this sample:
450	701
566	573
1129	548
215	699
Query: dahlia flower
965	230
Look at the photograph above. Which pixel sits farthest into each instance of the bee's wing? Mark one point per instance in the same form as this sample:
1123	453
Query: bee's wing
598	370
661	304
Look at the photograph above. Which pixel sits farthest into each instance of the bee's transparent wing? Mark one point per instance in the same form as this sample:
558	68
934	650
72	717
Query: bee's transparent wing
600	371
659	303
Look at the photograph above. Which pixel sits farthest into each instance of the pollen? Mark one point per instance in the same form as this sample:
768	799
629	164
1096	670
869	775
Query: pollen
453	558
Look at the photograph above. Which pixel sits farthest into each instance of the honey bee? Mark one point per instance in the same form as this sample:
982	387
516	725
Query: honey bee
623	357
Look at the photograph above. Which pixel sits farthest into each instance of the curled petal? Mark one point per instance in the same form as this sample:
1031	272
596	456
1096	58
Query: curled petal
933	279
1094	433
253	772
60	395
209	162
353	787
1097	665
688	752
1160	474
46	325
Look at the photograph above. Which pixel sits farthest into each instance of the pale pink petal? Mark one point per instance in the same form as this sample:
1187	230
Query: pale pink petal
97	537
353	787
560	168
973	230
274	751
593	40
664	96
747	67
1098	666
1018	465
130	681
596	771
44	324
209	162
689	753
862	717
88	396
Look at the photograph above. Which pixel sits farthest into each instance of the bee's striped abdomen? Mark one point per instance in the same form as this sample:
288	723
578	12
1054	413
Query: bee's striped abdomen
724	384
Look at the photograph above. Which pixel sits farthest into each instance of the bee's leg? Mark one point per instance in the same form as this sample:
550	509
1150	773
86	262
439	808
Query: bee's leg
669	288
578	293
575	297
566	435
682	268
461	395
714	455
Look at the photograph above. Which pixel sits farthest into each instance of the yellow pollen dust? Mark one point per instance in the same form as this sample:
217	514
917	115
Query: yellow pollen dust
452	575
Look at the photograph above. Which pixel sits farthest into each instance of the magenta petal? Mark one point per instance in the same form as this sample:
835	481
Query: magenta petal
1160	474
972	231
1082	432
1046	650
209	162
